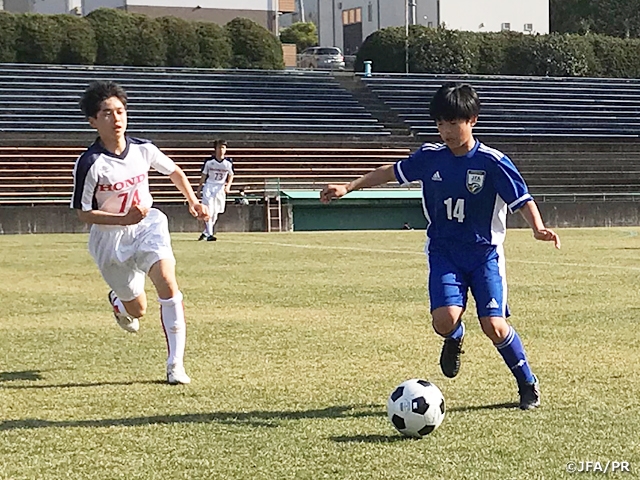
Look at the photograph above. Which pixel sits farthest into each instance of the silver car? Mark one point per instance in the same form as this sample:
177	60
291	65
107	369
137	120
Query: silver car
326	58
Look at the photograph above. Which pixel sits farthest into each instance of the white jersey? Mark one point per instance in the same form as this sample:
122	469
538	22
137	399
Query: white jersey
114	183
217	172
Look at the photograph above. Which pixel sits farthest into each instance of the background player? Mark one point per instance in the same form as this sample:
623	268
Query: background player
467	188
129	239
217	176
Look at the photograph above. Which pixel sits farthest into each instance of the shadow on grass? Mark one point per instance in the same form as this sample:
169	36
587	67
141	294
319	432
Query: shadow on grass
495	406
254	419
371	439
28	375
78	385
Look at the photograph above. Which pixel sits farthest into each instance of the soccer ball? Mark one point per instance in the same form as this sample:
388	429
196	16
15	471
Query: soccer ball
416	408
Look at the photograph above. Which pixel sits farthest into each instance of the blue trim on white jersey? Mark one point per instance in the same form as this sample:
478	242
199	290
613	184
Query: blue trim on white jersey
83	165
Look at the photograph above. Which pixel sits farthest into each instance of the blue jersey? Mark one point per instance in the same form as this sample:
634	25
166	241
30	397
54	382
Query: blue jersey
465	198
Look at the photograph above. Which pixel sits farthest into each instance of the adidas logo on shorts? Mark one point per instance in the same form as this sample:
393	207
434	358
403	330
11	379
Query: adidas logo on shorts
492	304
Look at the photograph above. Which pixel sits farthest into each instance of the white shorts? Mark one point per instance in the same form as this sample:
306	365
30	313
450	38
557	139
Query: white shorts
214	197
125	255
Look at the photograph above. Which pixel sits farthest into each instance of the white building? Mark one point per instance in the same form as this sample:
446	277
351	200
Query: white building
346	23
42	6
263	12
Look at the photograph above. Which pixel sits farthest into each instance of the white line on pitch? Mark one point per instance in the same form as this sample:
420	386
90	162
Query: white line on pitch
405	252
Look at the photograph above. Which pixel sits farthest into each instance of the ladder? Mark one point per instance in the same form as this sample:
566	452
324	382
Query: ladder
273	202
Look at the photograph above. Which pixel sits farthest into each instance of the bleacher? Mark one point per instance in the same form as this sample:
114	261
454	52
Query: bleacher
515	107
541	123
35	175
43	99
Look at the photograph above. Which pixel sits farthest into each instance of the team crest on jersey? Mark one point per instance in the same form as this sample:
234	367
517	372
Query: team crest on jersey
475	180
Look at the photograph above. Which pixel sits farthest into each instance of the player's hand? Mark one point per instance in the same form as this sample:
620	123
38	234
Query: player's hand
227	189
332	192
200	211
547	235
135	214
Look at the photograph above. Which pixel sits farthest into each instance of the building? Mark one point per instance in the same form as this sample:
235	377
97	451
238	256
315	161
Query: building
263	12
346	23
42	6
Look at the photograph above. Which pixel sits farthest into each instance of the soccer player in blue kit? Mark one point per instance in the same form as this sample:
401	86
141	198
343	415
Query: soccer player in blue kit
467	189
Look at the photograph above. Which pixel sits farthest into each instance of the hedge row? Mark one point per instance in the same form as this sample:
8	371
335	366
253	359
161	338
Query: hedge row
114	37
506	53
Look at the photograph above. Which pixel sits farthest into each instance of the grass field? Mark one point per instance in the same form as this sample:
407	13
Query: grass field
294	343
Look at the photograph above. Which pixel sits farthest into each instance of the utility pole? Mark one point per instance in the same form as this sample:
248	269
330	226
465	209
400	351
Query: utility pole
301	10
406	36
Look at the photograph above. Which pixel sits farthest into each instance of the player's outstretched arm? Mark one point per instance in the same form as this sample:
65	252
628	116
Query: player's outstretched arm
98	217
181	181
532	216
379	176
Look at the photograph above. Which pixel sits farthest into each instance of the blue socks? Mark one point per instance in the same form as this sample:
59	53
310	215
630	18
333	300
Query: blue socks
512	352
458	331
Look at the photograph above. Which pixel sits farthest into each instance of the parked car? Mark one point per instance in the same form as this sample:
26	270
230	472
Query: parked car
328	58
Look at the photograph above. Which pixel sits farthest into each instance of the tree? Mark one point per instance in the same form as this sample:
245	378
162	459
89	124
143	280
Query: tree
215	46
150	49
618	18
116	34
8	29
79	45
253	46
39	39
183	43
303	34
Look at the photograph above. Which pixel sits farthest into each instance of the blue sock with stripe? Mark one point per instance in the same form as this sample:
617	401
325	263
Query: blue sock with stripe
512	352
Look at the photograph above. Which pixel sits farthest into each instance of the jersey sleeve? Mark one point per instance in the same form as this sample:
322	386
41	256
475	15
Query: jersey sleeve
510	185
85	180
410	169
205	168
159	161
232	170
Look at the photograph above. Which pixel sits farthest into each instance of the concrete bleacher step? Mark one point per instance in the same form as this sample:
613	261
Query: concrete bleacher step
372	104
520	106
44	174
239	103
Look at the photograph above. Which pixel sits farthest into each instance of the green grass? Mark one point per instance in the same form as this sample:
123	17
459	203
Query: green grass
294	343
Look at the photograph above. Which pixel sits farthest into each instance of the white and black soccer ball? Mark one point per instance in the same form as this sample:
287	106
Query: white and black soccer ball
416	408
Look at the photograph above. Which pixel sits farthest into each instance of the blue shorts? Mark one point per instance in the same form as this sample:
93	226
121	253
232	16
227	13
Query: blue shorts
481	268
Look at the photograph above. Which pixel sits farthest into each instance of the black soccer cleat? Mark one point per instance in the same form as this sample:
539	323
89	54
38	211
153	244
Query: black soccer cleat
529	395
202	237
450	356
211	238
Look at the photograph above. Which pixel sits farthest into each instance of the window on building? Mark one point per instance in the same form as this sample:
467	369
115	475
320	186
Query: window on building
370	12
351	16
506	27
528	27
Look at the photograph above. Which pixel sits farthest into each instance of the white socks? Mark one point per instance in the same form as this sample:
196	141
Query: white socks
208	225
175	327
120	306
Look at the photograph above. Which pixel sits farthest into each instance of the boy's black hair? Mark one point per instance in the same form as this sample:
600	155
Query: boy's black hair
96	93
454	101
220	141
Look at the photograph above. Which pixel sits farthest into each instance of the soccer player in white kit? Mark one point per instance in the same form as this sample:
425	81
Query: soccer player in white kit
129	239
217	176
